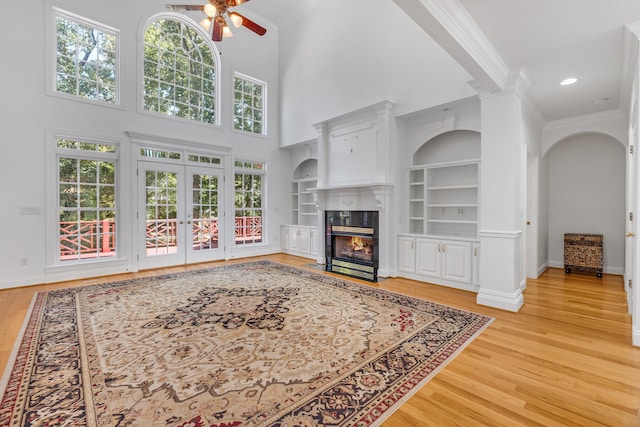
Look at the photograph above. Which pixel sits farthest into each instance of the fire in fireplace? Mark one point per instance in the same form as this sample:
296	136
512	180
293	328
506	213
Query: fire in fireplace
352	243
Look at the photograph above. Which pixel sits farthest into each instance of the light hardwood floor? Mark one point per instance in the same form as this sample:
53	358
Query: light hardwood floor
564	359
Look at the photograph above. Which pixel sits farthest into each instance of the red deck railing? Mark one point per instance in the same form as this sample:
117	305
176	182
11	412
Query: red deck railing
93	239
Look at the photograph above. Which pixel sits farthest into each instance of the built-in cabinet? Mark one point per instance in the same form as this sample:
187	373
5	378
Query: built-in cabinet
475	264
442	244
302	236
300	240
449	262
443	199
304	210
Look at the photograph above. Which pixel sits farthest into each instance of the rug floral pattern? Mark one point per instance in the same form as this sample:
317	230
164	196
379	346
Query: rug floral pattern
244	345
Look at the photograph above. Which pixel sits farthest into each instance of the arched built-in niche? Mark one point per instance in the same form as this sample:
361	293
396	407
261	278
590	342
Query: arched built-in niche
450	146
585	193
304	210
306	169
444	185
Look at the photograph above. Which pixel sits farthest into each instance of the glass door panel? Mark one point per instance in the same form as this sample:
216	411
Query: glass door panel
179	214
160	214
204	215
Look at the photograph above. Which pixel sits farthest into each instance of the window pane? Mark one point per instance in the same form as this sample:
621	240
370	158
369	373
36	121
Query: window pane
86	62
248	110
86	202
174	83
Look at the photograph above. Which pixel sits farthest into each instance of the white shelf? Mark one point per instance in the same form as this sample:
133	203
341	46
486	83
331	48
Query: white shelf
453	205
453	221
443	199
304	210
451	187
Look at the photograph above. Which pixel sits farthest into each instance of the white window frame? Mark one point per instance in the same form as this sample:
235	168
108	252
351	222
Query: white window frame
255	81
216	58
51	55
253	171
54	264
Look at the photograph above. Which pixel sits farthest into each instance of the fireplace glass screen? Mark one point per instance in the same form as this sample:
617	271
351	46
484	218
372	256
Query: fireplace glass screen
352	243
358	248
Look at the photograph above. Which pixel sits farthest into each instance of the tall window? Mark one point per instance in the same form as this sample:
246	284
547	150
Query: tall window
249	218
86	59
179	72
249	104
86	200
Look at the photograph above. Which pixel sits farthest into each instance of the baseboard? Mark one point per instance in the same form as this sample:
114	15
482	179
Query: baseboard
504	301
22	282
437	281
636	337
543	268
607	270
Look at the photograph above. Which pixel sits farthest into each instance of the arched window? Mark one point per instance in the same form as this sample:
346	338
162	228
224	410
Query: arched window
180	70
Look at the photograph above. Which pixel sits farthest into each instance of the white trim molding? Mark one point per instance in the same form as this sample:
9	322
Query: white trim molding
502	300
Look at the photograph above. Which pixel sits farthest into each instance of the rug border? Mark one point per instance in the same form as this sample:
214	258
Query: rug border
19	340
13	355
432	374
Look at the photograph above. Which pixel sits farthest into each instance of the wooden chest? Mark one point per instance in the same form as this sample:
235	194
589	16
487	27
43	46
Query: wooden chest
583	252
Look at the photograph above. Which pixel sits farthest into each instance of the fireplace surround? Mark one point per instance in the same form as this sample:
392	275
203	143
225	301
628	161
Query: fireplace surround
351	245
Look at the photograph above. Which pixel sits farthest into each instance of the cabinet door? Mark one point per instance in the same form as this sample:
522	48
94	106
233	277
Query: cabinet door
299	240
314	242
475	264
456	261
428	257
407	254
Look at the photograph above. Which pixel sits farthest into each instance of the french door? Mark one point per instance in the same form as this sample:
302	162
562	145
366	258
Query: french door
179	214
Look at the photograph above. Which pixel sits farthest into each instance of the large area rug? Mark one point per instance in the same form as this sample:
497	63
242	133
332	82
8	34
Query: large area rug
251	344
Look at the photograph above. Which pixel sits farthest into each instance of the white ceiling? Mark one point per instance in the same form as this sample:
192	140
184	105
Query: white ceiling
552	39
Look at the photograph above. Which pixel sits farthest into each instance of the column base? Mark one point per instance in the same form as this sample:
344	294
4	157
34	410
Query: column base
502	300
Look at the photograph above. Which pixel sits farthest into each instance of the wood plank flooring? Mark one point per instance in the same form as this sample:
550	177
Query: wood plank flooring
565	359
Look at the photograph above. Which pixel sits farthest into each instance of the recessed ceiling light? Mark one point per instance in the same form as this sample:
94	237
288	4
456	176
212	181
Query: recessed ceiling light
568	81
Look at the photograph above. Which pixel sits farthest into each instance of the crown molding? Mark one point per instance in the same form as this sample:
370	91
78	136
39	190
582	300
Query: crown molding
451	26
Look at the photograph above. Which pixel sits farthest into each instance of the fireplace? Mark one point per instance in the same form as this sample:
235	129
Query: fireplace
352	243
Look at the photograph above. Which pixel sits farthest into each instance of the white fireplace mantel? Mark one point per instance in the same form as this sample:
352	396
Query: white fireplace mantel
354	148
352	197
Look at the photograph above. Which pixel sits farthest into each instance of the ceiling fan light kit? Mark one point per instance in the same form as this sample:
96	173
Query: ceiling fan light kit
216	11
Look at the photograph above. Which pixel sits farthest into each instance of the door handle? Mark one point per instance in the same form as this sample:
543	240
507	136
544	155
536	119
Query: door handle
630	234
181	222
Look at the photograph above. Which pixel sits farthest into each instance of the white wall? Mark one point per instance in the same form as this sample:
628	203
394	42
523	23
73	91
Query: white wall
586	190
347	55
27	112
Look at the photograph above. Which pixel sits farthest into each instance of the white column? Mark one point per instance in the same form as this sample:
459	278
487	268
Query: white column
386	241
502	175
323	156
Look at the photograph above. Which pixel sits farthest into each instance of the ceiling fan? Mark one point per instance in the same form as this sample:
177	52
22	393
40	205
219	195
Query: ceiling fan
216	11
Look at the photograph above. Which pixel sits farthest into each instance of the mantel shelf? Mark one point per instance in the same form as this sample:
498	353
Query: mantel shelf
348	186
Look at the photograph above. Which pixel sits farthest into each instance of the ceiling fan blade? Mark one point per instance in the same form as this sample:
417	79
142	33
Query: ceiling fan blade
232	3
248	23
216	35
184	7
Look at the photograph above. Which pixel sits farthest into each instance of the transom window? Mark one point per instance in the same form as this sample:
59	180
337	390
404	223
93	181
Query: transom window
249	218
249	104
86	58
179	72
86	199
